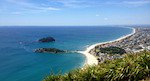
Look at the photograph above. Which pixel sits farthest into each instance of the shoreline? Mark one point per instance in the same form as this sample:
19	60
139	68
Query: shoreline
91	59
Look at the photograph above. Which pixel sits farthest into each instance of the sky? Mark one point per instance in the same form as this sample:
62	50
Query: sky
74	12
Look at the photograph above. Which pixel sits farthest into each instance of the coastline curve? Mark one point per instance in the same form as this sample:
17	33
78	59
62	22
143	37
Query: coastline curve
91	59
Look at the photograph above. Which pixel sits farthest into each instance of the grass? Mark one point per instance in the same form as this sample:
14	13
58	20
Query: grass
132	67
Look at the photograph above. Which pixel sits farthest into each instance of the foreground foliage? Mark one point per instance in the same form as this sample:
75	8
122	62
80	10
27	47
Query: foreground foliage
132	67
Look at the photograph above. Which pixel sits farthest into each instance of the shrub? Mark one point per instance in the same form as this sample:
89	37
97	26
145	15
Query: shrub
132	67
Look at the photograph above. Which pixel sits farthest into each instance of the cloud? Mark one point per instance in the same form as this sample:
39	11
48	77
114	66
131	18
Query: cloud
137	3
97	15
71	3
16	13
132	3
106	19
28	6
50	8
95	3
31	6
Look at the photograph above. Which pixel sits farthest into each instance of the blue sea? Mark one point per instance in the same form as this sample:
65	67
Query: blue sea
19	62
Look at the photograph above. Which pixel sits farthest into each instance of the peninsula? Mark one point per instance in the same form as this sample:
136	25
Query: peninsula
130	63
137	41
90	52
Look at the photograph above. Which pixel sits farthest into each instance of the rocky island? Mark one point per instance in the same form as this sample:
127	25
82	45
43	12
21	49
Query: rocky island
47	39
49	50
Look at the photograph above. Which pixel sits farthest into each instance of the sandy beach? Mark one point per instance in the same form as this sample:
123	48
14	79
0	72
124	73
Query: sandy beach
91	59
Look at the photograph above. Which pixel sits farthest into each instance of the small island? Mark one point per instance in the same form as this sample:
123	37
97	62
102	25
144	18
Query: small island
50	50
47	39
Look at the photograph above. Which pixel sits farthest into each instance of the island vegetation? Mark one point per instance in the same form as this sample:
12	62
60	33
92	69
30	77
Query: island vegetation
49	50
47	39
133	67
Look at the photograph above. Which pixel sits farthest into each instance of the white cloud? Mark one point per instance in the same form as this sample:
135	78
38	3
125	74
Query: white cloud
97	15
106	18
16	13
92	3
27	5
137	3
51	8
130	3
31	6
72	3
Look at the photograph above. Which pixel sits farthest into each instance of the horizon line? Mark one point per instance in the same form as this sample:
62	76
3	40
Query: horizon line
75	25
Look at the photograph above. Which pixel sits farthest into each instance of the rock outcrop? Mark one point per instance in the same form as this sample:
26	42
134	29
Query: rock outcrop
49	50
47	39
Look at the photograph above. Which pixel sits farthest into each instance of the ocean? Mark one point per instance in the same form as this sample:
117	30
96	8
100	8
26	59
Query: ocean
19	62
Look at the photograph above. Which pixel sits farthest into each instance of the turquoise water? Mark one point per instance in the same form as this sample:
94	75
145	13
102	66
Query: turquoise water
18	62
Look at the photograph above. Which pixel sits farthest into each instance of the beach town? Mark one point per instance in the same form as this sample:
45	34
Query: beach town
137	41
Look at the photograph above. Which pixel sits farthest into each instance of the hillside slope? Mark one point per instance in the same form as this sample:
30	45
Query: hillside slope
132	67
